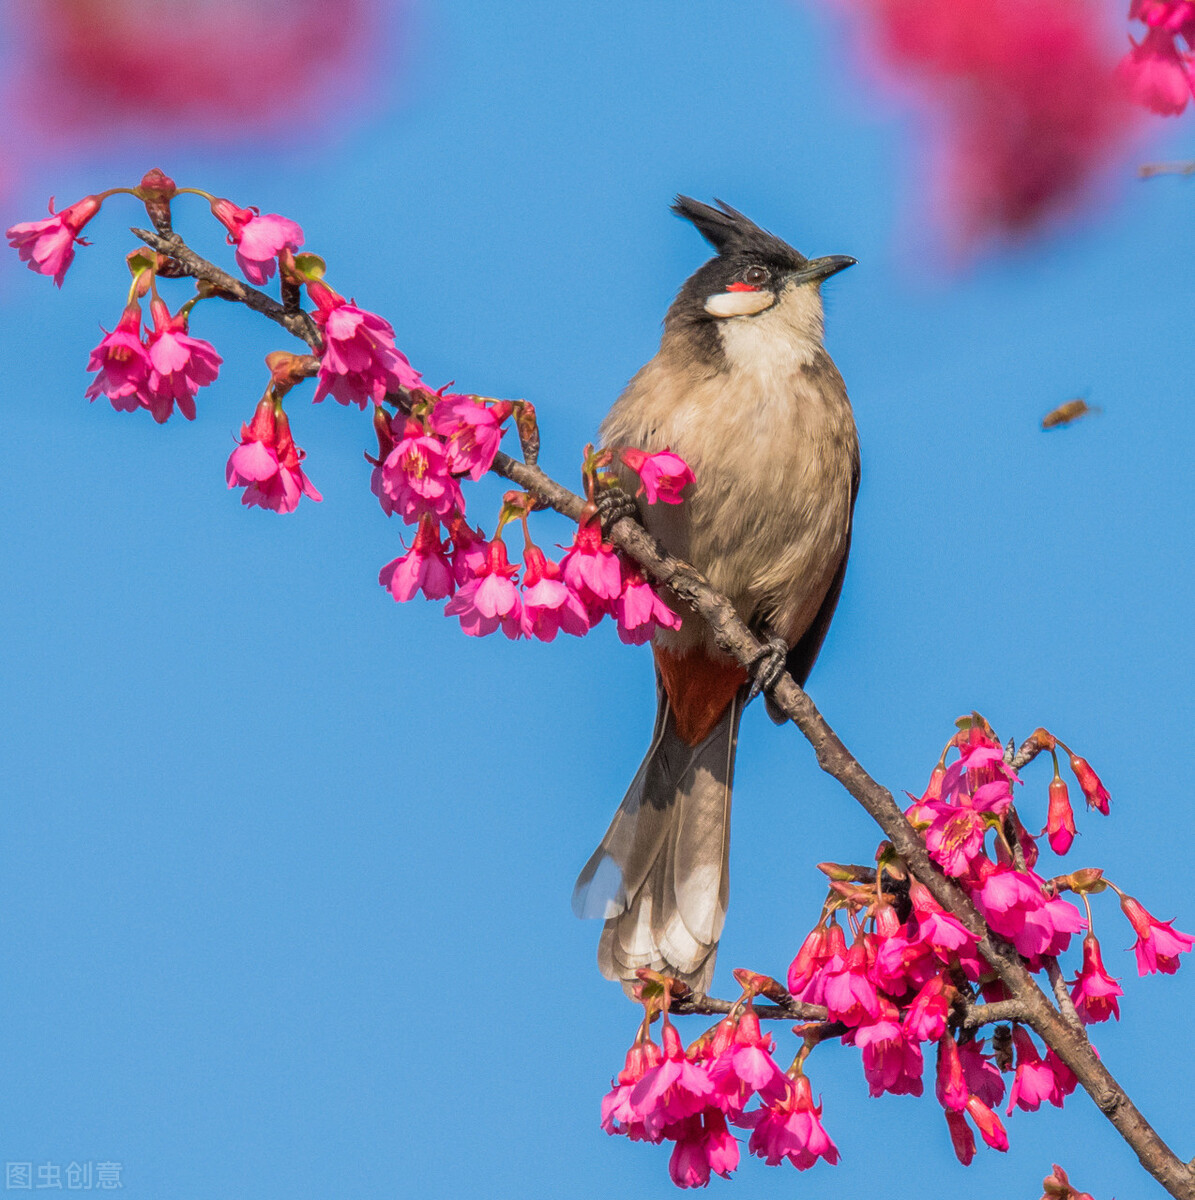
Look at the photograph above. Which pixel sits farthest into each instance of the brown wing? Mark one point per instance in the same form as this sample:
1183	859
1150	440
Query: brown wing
804	654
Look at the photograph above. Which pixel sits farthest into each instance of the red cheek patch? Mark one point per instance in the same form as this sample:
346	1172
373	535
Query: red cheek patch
741	287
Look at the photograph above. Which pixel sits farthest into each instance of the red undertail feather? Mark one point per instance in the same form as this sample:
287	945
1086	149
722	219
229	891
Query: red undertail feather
700	689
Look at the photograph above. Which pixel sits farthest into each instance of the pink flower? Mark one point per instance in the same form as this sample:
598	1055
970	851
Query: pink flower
901	962
956	832
891	1061
951	1083
1060	820
1093	790
1048	930
1157	74
179	364
937	928
473	431
415	477
470	548
424	568
259	239
1057	1186
983	1079
1094	992
961	1137
791	1128
548	605
925	1019
489	599
663	476
360	362
1014	906
703	1146
981	761
123	364
1034	1080
1178	16
673	1090
266	462
48	246
1158	945
742	1065
990	1127
617	1115
845	990
816	950
638	610
592	571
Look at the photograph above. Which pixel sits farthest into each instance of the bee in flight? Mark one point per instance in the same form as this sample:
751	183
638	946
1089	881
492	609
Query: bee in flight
1068	413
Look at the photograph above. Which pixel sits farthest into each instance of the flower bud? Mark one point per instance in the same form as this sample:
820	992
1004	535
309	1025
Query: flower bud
1093	790
1060	820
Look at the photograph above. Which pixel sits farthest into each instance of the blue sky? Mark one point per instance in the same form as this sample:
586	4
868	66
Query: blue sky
286	866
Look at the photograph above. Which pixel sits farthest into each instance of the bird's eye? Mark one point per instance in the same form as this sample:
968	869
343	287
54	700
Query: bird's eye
755	276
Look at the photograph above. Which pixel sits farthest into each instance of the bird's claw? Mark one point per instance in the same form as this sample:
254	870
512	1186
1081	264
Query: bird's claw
768	665
613	503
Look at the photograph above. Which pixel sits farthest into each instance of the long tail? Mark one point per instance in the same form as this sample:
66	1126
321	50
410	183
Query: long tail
661	877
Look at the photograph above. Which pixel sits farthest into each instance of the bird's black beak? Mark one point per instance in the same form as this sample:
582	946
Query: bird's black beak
817	269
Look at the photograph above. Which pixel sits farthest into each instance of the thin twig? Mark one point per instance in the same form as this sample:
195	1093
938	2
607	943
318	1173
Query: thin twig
1066	1006
231	288
975	1015
711	1006
1150	170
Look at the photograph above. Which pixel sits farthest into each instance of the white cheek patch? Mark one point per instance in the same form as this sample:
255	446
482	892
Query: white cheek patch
739	304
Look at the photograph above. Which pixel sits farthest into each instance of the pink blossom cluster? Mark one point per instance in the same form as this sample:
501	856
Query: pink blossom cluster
166	366
1021	97
1159	72
692	1096
266	462
895	977
894	988
421	462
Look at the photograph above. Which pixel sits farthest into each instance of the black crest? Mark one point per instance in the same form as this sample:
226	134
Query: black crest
734	235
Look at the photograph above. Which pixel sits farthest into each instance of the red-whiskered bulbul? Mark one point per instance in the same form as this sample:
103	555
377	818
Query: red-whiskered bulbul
742	389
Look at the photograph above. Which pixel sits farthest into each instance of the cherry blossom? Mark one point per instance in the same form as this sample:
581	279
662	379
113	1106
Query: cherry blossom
123	364
360	361
639	610
259	238
266	462
791	1129
48	245
1094	992
472	432
1158	945
415	477
663	476
424	568
674	1089
490	599
179	364
617	1114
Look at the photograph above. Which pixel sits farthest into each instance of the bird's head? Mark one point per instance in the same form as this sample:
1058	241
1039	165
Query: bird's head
755	278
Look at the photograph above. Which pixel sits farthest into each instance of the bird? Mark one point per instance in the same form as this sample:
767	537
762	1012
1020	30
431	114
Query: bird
742	388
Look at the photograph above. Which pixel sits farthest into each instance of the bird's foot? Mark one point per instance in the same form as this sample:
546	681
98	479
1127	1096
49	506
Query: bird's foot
614	503
768	665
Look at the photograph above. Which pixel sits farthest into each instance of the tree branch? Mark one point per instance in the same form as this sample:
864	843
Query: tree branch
231	288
